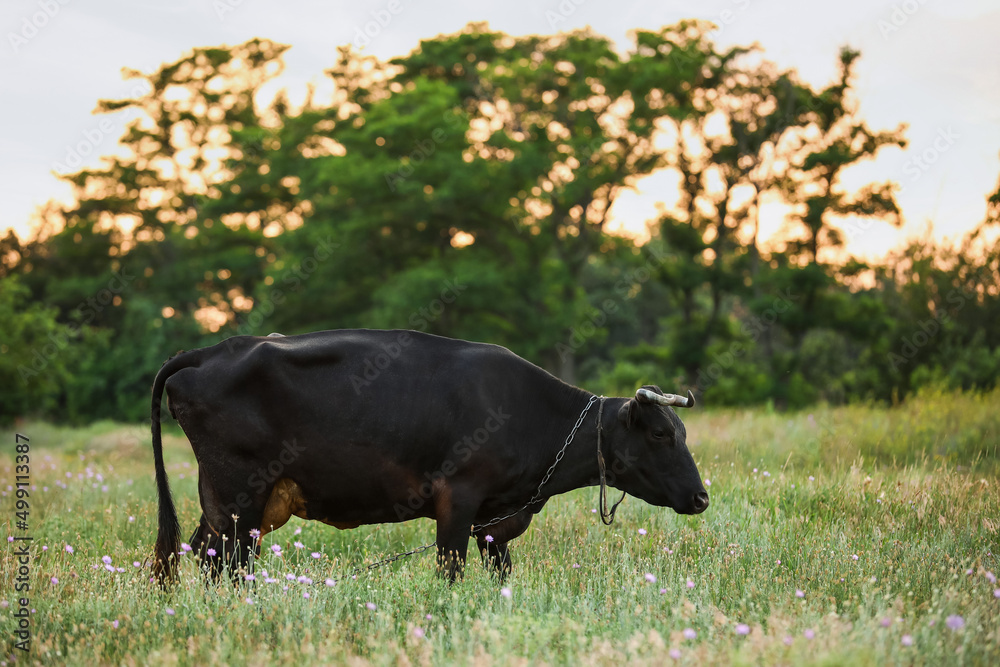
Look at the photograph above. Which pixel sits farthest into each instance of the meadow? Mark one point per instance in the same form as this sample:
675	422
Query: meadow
858	535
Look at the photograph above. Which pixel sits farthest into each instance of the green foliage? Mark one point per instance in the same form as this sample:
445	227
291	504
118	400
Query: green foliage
465	189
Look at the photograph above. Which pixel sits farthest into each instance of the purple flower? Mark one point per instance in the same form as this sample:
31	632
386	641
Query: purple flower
371	606
788	640
299	545
505	592
663	591
331	582
131	519
276	549
650	577
991	577
854	556
428	617
418	632
996	593
886	622
289	577
690	584
106	559
489	538
114	624
185	547
170	612
255	533
109	568
54	580
576	566
305	594
642	531
675	653
955	622
708	482
210	551
907	640
742	629
316	554
249	600
799	594
689	633
250	577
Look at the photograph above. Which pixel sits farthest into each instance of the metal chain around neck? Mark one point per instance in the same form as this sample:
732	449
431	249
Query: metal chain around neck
548	473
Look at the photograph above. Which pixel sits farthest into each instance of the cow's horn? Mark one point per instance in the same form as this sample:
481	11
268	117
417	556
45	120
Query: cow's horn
645	395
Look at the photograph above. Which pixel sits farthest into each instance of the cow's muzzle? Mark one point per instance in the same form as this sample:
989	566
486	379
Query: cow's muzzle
700	503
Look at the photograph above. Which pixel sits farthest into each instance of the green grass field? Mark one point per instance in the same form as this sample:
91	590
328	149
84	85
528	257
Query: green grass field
855	536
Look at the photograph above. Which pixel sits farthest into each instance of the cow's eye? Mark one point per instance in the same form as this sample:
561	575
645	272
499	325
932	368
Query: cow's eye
659	434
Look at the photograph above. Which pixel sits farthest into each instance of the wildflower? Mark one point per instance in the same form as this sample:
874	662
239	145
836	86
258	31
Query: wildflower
650	577
663	591
708	482
136	563
170	612
955	622
489	538
114	624
505	592
185	547
109	568
210	551
305	594
799	594
992	578
809	633
854	556
316	555
249	600
255	533
54	580
371	606
298	531
811	478
742	629
290	577
675	653
107	560
690	584
788	640
428	617
886	622
131	519
996	593
45	548
642	531
766	474
331	582
593	511
299	545
276	548
120	569
576	566
269	580
305	580
418	632
250	577
907	640
689	633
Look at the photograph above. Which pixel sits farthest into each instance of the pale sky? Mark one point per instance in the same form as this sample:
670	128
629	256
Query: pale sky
932	64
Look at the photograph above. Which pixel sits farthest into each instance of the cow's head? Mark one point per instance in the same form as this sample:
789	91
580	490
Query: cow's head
650	458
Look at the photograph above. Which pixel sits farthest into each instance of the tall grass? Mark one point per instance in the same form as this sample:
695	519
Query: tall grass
853	535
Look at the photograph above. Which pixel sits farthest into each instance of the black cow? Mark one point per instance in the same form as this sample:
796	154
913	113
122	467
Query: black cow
359	427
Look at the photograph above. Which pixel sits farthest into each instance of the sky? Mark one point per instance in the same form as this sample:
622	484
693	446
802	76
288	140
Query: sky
931	64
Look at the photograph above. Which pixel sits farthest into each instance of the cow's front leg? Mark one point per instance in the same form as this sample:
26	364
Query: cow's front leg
454	522
493	542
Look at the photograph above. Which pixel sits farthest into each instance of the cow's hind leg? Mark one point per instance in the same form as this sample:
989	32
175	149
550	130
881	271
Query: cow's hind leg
492	542
206	544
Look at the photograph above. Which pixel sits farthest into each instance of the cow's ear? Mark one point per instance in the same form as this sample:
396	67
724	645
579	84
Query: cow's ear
629	413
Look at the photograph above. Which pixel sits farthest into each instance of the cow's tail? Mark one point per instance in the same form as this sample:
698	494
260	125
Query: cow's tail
168	536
